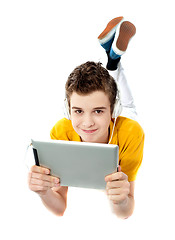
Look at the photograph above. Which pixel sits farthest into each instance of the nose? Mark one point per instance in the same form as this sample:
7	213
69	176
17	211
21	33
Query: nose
88	121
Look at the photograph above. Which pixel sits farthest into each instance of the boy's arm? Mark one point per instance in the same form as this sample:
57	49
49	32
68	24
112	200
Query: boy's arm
121	194
120	185
125	209
48	188
56	200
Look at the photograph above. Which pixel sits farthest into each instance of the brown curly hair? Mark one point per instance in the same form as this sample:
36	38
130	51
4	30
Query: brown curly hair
90	77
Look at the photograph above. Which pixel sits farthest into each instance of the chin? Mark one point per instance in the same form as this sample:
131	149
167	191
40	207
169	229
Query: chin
91	139
86	138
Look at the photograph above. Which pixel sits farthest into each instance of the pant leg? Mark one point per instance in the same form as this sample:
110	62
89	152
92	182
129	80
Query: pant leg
127	100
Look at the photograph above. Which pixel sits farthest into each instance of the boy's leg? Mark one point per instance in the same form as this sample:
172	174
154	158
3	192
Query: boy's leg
117	49
127	100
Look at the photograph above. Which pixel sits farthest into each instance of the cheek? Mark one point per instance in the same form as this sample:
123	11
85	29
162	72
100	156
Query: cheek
75	121
104	122
107	122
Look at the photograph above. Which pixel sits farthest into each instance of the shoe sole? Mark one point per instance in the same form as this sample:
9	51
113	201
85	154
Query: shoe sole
127	31
110	26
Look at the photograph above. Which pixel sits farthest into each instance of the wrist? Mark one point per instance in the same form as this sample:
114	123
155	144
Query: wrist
43	195
125	208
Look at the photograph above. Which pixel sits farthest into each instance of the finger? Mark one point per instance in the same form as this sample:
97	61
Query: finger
114	191
116	176
117	198
38	188
118	191
113	184
42	183
38	169
45	177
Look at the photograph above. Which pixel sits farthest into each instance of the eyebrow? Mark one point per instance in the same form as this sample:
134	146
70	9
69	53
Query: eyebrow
76	108
99	108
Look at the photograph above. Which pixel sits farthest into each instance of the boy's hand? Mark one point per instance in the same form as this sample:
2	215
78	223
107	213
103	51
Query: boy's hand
117	187
40	181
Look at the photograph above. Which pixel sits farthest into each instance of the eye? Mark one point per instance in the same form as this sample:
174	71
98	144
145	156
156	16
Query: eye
98	111
78	111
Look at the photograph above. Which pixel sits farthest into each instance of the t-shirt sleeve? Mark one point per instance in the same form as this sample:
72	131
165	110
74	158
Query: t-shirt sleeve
52	135
63	130
131	154
59	131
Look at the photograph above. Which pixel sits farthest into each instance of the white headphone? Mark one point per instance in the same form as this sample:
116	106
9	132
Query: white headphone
117	106
116	111
66	109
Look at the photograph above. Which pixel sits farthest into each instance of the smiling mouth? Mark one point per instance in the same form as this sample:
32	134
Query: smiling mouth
89	131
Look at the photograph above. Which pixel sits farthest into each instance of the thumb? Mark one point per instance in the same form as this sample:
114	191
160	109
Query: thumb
119	168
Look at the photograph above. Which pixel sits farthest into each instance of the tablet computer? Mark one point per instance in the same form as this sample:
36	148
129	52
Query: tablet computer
77	164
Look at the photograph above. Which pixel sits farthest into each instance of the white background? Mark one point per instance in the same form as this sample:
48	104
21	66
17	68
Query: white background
40	44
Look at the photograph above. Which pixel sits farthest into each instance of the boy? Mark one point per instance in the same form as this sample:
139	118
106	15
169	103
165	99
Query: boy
91	95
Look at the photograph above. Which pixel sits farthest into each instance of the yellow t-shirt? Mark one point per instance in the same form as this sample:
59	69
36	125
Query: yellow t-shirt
128	135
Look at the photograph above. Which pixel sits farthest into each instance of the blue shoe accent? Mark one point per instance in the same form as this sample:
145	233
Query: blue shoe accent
113	55
107	45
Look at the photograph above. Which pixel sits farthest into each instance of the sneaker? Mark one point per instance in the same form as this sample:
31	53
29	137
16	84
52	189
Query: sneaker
107	36
121	41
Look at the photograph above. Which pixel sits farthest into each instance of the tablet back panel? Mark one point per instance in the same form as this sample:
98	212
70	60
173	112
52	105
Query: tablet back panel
78	164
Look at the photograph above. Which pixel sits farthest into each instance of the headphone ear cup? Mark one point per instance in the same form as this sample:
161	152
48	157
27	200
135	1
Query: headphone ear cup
66	109
117	108
118	105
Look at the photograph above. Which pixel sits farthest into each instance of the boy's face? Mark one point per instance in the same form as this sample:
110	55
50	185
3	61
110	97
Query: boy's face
91	116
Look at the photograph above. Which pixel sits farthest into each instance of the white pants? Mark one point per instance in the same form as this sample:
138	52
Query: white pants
127	101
